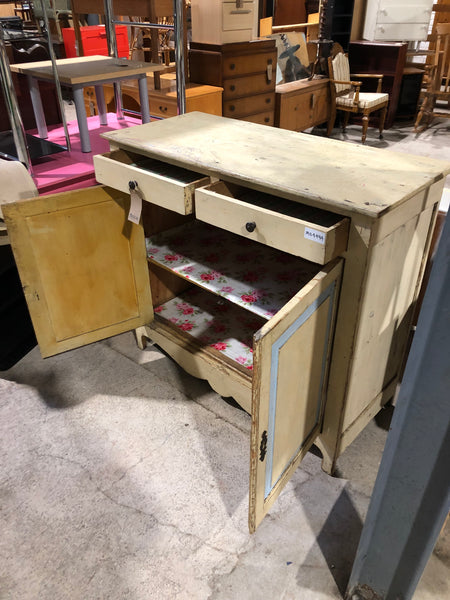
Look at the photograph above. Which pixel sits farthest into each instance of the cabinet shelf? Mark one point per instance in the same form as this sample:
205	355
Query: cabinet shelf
256	277
213	323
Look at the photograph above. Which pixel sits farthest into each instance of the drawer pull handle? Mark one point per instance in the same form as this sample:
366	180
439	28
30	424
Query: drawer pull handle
163	108
266	119
240	12
250	227
232	88
232	66
132	185
268	100
232	107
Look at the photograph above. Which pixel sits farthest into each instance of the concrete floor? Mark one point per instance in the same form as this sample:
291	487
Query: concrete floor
124	478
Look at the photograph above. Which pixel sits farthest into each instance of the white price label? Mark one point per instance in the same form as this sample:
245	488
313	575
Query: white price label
314	235
135	207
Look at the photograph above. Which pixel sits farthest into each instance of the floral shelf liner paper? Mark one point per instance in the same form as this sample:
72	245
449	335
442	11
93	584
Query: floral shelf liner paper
247	273
214	322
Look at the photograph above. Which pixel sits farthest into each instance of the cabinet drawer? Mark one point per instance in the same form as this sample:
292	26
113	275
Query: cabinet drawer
248	64
311	233
403	13
402	31
162	107
264	118
234	18
160	183
247	86
251	104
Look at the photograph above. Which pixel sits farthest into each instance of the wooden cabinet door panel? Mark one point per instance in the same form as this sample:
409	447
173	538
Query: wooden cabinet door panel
82	265
290	367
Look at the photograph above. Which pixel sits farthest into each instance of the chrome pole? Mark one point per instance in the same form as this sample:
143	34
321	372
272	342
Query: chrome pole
112	51
179	58
55	74
12	107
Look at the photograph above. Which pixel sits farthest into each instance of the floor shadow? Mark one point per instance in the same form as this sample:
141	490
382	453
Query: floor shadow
337	540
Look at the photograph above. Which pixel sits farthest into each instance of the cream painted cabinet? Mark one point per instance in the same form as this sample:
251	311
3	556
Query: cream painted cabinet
288	284
224	21
397	20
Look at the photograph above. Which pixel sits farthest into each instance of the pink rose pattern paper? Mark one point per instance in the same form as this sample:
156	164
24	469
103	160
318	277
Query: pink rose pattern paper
247	273
214	322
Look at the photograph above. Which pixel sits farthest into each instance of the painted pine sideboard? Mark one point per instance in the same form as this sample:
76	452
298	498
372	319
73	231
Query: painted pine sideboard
281	267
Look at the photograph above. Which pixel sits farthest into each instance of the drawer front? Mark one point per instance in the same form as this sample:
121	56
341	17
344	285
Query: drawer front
159	183
247	86
405	31
249	105
162	107
248	64
264	118
234	18
273	221
409	12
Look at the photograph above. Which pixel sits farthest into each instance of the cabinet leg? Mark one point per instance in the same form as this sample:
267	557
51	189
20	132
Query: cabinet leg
328	460
141	337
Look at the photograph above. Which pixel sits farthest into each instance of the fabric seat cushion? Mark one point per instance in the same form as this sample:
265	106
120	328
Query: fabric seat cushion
366	100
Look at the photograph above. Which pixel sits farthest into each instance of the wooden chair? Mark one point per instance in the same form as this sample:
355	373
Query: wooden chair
436	95
346	95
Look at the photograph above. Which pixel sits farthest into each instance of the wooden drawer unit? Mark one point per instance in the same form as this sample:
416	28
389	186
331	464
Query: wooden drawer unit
162	102
245	71
302	104
241	107
300	230
304	320
397	20
264	118
224	21
157	182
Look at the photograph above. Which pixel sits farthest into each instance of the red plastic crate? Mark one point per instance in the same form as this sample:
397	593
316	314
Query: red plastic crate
94	41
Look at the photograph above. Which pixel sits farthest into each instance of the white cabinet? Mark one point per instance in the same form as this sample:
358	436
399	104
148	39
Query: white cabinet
224	21
392	20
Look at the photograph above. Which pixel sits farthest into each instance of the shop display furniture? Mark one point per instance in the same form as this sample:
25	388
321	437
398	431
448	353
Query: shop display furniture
78	73
302	104
347	97
388	20
283	268
247	73
224	21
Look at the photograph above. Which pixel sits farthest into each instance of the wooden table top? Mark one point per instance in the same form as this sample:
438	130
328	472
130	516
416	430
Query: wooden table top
86	69
341	177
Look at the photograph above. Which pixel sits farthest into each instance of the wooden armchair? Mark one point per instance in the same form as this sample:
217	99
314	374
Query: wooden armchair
436	95
346	95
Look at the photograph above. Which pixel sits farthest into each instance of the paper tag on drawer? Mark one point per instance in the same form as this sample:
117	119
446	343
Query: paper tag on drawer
314	235
135	207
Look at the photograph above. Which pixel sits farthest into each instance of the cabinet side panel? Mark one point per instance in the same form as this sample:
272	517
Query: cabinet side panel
386	312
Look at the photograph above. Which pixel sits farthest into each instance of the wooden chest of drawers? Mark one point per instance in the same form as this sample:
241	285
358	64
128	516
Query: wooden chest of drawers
288	281
163	102
302	104
246	72
224	21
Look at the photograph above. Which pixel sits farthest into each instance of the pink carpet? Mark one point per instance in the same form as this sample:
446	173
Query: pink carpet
72	170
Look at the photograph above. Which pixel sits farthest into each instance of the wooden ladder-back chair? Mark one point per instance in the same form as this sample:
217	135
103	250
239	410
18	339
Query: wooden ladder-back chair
347	97
436	95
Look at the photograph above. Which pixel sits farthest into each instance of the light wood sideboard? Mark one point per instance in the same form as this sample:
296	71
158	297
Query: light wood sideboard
283	268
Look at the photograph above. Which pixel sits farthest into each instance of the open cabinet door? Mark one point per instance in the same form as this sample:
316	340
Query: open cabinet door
290	367
82	265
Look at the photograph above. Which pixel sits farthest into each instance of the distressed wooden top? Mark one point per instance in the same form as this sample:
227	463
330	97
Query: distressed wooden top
86	69
338	176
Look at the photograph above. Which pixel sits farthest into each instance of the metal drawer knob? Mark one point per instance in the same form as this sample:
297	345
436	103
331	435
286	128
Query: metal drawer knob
232	88
250	227
232	66
232	107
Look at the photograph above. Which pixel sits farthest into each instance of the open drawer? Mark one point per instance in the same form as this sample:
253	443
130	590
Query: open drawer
301	230
160	183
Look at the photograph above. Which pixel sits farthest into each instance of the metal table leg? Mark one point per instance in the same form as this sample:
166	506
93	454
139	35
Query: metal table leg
143	97
38	109
81	119
101	105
